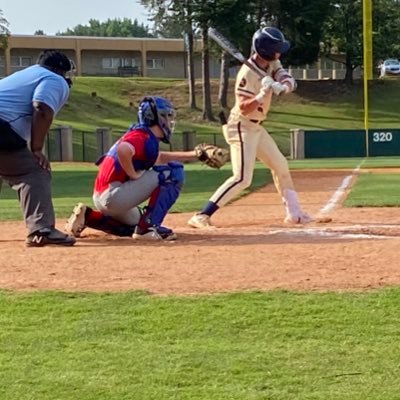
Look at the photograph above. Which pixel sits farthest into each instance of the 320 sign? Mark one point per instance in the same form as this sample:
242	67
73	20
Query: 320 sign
382	137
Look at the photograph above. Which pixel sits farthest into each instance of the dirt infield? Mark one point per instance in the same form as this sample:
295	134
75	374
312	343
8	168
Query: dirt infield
250	250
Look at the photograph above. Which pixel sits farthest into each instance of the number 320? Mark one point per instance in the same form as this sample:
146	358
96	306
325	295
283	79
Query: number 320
382	136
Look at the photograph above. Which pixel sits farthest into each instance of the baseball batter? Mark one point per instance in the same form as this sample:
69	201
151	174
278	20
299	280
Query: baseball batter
246	135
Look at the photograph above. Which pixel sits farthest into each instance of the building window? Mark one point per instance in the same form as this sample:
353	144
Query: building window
20	61
2	61
115	62
155	63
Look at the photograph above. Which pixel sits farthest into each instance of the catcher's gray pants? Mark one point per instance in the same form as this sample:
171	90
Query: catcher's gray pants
120	200
22	172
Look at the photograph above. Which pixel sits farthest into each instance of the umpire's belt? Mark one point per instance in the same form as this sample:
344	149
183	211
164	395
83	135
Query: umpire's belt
256	121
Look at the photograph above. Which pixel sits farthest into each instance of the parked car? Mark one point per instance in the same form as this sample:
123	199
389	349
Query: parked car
389	67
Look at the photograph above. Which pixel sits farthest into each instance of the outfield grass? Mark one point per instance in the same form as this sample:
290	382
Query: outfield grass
375	190
253	346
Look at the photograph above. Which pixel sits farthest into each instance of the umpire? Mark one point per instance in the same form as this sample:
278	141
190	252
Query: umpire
29	100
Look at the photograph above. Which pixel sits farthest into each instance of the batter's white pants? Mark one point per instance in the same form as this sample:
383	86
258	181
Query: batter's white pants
249	141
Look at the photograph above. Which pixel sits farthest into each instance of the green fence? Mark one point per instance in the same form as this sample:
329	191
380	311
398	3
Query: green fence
345	143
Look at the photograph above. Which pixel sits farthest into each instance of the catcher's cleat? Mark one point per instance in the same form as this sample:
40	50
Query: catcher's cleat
200	221
76	222
49	236
152	233
301	219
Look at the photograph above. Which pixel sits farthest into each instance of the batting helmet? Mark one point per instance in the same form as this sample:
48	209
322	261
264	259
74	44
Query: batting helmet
155	110
269	41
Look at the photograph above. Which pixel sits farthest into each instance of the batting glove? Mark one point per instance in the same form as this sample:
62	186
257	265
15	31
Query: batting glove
267	82
279	88
266	85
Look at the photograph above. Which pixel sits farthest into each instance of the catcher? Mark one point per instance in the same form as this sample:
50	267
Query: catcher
133	171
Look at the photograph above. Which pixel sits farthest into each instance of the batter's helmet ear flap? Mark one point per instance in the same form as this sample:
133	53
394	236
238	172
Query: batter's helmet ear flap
269	41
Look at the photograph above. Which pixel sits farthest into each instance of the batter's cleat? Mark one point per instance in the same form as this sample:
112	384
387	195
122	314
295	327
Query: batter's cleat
300	219
200	221
76	222
154	233
49	236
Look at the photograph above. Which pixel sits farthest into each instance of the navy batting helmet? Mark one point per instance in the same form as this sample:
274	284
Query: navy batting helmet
269	41
155	110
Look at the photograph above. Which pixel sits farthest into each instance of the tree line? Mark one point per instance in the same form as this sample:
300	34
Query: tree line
330	28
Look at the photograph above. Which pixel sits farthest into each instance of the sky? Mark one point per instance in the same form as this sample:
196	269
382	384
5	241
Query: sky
51	16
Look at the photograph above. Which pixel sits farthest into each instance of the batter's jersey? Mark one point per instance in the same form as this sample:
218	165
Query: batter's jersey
17	91
146	147
248	84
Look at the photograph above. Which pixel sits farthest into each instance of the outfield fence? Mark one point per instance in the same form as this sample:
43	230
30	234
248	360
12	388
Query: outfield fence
65	144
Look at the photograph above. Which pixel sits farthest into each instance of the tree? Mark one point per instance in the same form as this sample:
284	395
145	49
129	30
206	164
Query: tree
302	21
4	32
386	29
236	20
111	28
204	14
39	32
343	35
173	18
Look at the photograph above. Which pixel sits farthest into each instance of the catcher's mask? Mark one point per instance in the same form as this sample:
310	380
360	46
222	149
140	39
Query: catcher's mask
155	110
269	41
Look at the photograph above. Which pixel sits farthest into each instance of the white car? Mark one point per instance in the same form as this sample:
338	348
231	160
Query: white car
389	67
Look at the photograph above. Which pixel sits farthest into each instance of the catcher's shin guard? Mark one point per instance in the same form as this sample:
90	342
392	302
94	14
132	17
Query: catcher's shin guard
171	178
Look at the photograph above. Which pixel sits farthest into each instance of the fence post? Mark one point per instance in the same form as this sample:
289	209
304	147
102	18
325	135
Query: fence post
297	150
104	140
66	148
63	144
188	140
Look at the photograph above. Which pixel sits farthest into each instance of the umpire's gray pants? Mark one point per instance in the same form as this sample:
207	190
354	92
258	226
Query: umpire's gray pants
120	200
33	185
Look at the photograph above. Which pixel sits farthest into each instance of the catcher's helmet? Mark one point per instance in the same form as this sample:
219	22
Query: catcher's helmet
155	110
269	41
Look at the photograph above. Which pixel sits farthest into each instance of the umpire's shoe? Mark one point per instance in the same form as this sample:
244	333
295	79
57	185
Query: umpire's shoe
49	236
152	233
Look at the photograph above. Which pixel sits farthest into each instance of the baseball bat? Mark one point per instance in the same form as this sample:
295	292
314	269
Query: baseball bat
225	44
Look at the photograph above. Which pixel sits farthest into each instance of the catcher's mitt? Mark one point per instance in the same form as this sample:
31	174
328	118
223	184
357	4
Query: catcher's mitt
213	156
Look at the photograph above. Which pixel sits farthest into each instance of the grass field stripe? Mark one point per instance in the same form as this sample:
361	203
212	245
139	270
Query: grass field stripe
341	190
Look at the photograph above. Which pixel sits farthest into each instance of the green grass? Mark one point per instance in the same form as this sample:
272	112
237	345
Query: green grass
375	190
346	163
256	346
73	183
